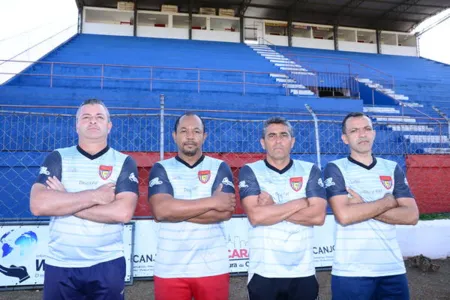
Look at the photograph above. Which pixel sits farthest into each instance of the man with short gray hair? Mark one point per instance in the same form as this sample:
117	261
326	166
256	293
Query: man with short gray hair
89	191
283	199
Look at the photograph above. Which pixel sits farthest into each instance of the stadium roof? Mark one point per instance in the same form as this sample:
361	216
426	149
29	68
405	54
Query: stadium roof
395	15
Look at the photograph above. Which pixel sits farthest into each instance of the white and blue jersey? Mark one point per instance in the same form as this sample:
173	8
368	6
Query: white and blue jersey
368	248
76	242
186	249
282	250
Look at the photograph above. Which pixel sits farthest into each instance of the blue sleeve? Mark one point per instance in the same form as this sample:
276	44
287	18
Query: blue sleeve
401	188
128	178
248	185
315	187
52	166
334	181
159	182
225	177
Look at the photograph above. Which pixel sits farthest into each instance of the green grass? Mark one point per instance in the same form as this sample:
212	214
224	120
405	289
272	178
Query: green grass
437	216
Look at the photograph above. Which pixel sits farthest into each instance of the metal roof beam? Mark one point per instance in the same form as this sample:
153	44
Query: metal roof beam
351	4
424	5
399	8
79	3
243	7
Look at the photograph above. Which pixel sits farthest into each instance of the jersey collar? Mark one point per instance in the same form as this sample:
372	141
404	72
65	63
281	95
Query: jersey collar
373	164
199	161
92	157
289	165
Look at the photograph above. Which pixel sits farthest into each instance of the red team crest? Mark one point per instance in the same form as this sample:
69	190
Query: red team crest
296	183
105	171
386	181
204	176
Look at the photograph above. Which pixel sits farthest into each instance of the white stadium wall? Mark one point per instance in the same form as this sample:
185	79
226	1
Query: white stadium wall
278	40
312	43
107	21
217	36
166	33
398	50
357	47
108	29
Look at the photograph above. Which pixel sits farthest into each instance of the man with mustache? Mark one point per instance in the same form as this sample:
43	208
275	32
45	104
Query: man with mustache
89	191
283	198
369	196
191	195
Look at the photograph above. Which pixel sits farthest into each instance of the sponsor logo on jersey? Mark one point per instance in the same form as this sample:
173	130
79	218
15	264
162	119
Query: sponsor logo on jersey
226	181
44	171
329	182
320	182
155	181
133	178
243	184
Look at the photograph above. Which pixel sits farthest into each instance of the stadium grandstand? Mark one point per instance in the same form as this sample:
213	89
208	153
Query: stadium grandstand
235	63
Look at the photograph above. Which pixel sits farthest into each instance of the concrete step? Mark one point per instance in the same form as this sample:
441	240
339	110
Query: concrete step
277	75
437	150
422	139
266	52
412	104
301	92
387	91
285	80
280	57
294	86
400	97
287	65
282	61
396	119
298	69
303	73
414	128
259	46
382	110
374	85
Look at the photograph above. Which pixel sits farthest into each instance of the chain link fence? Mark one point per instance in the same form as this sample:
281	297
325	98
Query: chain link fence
27	137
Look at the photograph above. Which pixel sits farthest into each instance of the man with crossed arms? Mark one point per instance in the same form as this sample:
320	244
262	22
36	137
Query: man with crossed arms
191	194
369	196
284	199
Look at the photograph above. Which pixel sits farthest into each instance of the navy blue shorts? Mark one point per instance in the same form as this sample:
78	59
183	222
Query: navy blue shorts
370	288
104	281
302	288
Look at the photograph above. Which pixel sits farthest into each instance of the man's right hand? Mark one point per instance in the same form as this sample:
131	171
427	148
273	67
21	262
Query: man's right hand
390	199
104	194
265	199
223	201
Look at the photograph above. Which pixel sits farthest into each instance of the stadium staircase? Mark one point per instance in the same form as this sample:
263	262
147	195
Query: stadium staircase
396	89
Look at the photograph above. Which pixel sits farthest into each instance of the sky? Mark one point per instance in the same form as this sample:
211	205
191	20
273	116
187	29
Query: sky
25	23
20	16
435	43
22	28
